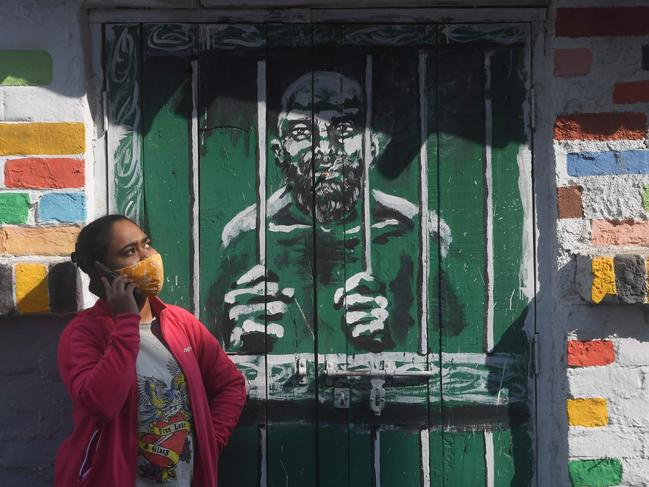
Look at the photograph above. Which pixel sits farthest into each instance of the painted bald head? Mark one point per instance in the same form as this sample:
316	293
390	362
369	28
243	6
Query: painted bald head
320	131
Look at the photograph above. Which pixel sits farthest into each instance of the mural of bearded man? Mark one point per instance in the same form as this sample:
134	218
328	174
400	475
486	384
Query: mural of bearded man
319	150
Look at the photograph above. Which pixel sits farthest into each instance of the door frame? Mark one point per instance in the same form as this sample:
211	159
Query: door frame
542	176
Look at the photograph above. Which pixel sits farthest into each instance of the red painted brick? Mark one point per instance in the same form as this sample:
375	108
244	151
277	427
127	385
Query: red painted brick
589	353
628	232
572	62
601	126
44	173
599	22
633	92
570	204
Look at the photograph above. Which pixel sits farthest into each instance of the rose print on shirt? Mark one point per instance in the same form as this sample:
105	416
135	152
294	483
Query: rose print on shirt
164	425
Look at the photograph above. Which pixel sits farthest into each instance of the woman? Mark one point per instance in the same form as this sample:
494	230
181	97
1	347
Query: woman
154	396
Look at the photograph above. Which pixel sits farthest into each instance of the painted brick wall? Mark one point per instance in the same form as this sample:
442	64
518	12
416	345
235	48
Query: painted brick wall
600	100
44	155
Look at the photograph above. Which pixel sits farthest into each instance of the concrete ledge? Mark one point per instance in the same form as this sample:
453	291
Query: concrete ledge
612	279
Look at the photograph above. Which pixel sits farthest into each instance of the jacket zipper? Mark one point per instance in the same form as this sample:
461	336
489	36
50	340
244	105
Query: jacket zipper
83	471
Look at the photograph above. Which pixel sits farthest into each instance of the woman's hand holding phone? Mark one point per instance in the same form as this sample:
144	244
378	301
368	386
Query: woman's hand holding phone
119	291
119	295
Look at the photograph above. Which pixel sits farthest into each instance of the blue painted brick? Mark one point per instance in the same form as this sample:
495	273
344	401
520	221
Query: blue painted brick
608	163
62	208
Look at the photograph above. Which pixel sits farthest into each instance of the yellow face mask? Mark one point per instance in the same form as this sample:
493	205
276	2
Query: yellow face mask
147	274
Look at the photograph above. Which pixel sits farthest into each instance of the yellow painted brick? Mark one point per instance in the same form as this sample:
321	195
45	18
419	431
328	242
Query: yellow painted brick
589	412
31	288
603	278
15	240
42	138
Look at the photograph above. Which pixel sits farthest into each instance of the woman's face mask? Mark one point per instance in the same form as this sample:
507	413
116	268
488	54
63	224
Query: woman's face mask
147	274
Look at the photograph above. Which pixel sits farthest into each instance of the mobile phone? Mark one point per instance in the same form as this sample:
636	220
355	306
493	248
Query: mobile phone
110	275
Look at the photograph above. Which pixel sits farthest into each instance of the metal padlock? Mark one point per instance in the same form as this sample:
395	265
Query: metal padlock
341	397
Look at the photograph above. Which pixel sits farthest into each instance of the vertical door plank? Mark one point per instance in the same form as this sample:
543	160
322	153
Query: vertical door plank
123	87
400	458
334	128
512	254
395	196
509	149
229	135
464	458
167	108
438	245
228	175
289	253
390	238
242	450
462	198
463	271
290	227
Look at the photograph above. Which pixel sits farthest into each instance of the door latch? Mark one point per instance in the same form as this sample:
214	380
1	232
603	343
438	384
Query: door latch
377	396
301	371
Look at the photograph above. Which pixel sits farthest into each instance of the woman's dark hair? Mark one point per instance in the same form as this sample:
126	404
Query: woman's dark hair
93	242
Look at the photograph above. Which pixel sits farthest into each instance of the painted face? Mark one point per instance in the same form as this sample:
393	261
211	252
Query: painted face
321	136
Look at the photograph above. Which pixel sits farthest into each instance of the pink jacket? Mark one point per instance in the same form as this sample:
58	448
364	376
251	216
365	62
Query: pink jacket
96	358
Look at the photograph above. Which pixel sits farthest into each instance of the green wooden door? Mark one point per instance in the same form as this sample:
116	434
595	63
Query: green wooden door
349	209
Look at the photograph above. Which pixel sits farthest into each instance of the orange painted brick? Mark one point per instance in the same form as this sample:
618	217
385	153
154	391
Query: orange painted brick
15	240
633	92
601	126
590	353
570	204
44	173
628	232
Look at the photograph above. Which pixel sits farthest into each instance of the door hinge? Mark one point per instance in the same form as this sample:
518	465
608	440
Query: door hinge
536	354
532	108
104	112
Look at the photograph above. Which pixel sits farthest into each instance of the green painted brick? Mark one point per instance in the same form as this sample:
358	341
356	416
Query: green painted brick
25	67
595	473
645	198
14	208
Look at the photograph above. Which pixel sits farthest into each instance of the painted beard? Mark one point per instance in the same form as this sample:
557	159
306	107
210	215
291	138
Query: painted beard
335	197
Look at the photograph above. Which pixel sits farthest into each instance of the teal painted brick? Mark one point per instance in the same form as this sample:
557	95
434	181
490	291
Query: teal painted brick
62	208
14	208
603	472
25	67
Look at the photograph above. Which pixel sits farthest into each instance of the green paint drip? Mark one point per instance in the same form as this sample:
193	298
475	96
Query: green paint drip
645	198
595	473
30	67
14	208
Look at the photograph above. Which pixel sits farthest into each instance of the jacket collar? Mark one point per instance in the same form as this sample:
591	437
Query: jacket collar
157	306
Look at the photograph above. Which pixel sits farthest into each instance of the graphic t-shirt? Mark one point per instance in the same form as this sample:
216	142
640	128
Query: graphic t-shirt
165	453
